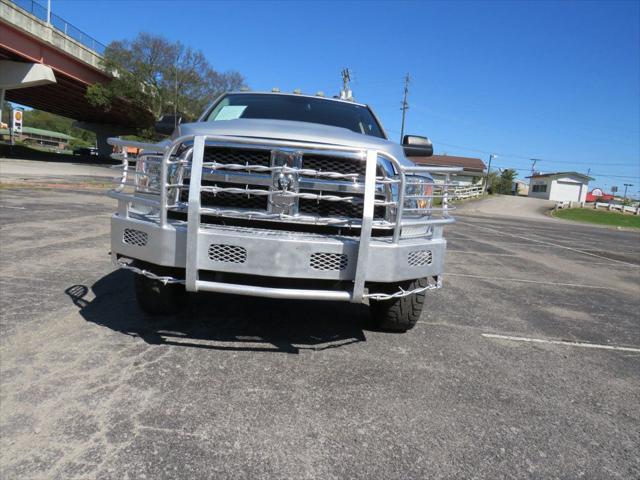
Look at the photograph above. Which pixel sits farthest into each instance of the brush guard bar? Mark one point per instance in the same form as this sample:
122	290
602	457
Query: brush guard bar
188	152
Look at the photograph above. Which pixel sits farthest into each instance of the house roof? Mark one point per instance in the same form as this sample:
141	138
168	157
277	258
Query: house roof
473	165
561	174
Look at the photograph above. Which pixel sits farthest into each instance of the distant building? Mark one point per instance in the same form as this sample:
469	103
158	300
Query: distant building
520	187
560	186
473	169
38	136
597	195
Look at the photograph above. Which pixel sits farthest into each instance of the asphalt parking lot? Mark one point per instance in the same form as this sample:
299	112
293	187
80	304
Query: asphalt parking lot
237	387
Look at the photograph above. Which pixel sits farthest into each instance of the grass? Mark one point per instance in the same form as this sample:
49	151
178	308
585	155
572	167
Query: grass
600	217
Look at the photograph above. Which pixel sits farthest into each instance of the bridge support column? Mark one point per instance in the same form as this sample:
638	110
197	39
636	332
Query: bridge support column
103	132
22	75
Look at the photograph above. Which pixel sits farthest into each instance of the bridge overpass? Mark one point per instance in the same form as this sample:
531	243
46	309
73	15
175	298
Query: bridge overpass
46	64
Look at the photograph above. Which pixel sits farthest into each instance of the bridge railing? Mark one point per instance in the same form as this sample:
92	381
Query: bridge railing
40	11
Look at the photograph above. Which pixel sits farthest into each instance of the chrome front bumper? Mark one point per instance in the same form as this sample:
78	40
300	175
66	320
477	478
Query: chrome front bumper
276	254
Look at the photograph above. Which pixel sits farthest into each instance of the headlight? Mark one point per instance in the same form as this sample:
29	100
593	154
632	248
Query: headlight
148	170
418	191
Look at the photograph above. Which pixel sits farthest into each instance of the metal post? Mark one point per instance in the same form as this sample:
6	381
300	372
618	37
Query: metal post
486	180
1	103
626	185
405	105
12	140
365	229
49	12
445	195
193	214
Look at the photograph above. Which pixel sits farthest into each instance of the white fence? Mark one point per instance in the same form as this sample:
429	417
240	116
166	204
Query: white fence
462	192
607	206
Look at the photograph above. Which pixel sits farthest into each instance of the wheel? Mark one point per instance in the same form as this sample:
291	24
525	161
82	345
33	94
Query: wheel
156	298
398	314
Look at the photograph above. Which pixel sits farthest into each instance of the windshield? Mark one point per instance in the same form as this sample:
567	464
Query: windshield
357	118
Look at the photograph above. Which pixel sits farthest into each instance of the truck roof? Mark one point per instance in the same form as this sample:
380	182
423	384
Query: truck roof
245	92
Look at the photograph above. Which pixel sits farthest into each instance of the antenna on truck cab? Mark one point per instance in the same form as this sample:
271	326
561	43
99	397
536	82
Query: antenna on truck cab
345	93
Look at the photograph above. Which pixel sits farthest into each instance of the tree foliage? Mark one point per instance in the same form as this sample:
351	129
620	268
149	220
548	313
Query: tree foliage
159	76
504	182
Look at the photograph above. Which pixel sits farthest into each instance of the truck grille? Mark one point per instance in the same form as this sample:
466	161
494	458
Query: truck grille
245	171
242	156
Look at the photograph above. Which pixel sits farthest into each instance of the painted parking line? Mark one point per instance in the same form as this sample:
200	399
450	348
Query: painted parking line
526	280
519	255
561	342
533	243
543	242
481	254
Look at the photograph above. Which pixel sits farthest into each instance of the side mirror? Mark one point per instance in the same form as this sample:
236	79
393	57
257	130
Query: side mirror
415	146
167	124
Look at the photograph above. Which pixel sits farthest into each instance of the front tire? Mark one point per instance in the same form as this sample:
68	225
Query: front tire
156	298
398	314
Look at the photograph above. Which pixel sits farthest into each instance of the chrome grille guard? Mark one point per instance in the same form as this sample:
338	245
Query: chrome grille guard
187	152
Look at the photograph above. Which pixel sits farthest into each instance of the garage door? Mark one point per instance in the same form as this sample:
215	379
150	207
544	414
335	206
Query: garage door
566	192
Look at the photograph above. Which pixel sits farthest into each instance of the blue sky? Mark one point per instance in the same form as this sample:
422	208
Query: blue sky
557	81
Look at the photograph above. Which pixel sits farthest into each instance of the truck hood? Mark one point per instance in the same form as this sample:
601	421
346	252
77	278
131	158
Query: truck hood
295	131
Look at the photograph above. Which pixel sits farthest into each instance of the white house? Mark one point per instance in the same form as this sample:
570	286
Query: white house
560	186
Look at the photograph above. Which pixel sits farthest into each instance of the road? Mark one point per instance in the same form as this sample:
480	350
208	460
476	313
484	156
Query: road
248	388
527	208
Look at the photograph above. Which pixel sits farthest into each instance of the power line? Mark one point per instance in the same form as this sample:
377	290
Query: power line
527	157
604	175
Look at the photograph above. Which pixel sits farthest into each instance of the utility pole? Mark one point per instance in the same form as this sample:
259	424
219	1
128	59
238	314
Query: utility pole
533	165
175	94
405	105
486	180
626	185
345	93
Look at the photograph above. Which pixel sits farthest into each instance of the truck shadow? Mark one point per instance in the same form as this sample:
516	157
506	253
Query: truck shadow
223	322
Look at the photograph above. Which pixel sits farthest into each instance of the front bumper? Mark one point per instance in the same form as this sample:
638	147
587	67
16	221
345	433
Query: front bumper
276	254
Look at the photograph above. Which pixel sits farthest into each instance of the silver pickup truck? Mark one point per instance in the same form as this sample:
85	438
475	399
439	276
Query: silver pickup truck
284	196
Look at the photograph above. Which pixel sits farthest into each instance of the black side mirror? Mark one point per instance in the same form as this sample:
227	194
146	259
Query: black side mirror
415	146
167	124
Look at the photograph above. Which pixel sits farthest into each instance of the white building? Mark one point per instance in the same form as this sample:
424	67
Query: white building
560	187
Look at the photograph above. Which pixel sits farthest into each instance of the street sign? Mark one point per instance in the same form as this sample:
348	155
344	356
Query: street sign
16	120
614	189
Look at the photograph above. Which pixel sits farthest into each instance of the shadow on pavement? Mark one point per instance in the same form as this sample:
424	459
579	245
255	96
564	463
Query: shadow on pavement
223	322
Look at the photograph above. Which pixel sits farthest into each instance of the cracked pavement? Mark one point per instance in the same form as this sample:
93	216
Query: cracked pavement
249	388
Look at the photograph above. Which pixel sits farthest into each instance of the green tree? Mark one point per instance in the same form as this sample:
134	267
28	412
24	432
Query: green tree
505	181
159	76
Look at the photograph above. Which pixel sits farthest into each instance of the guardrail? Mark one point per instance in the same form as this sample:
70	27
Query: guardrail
40	12
615	206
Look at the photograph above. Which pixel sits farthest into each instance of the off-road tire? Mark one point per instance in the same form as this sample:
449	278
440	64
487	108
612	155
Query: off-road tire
156	298
398	314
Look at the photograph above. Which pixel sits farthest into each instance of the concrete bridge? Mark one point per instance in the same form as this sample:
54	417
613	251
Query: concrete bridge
47	65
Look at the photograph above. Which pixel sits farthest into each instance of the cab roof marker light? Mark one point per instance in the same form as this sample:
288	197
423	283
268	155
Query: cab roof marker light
275	90
319	93
297	91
